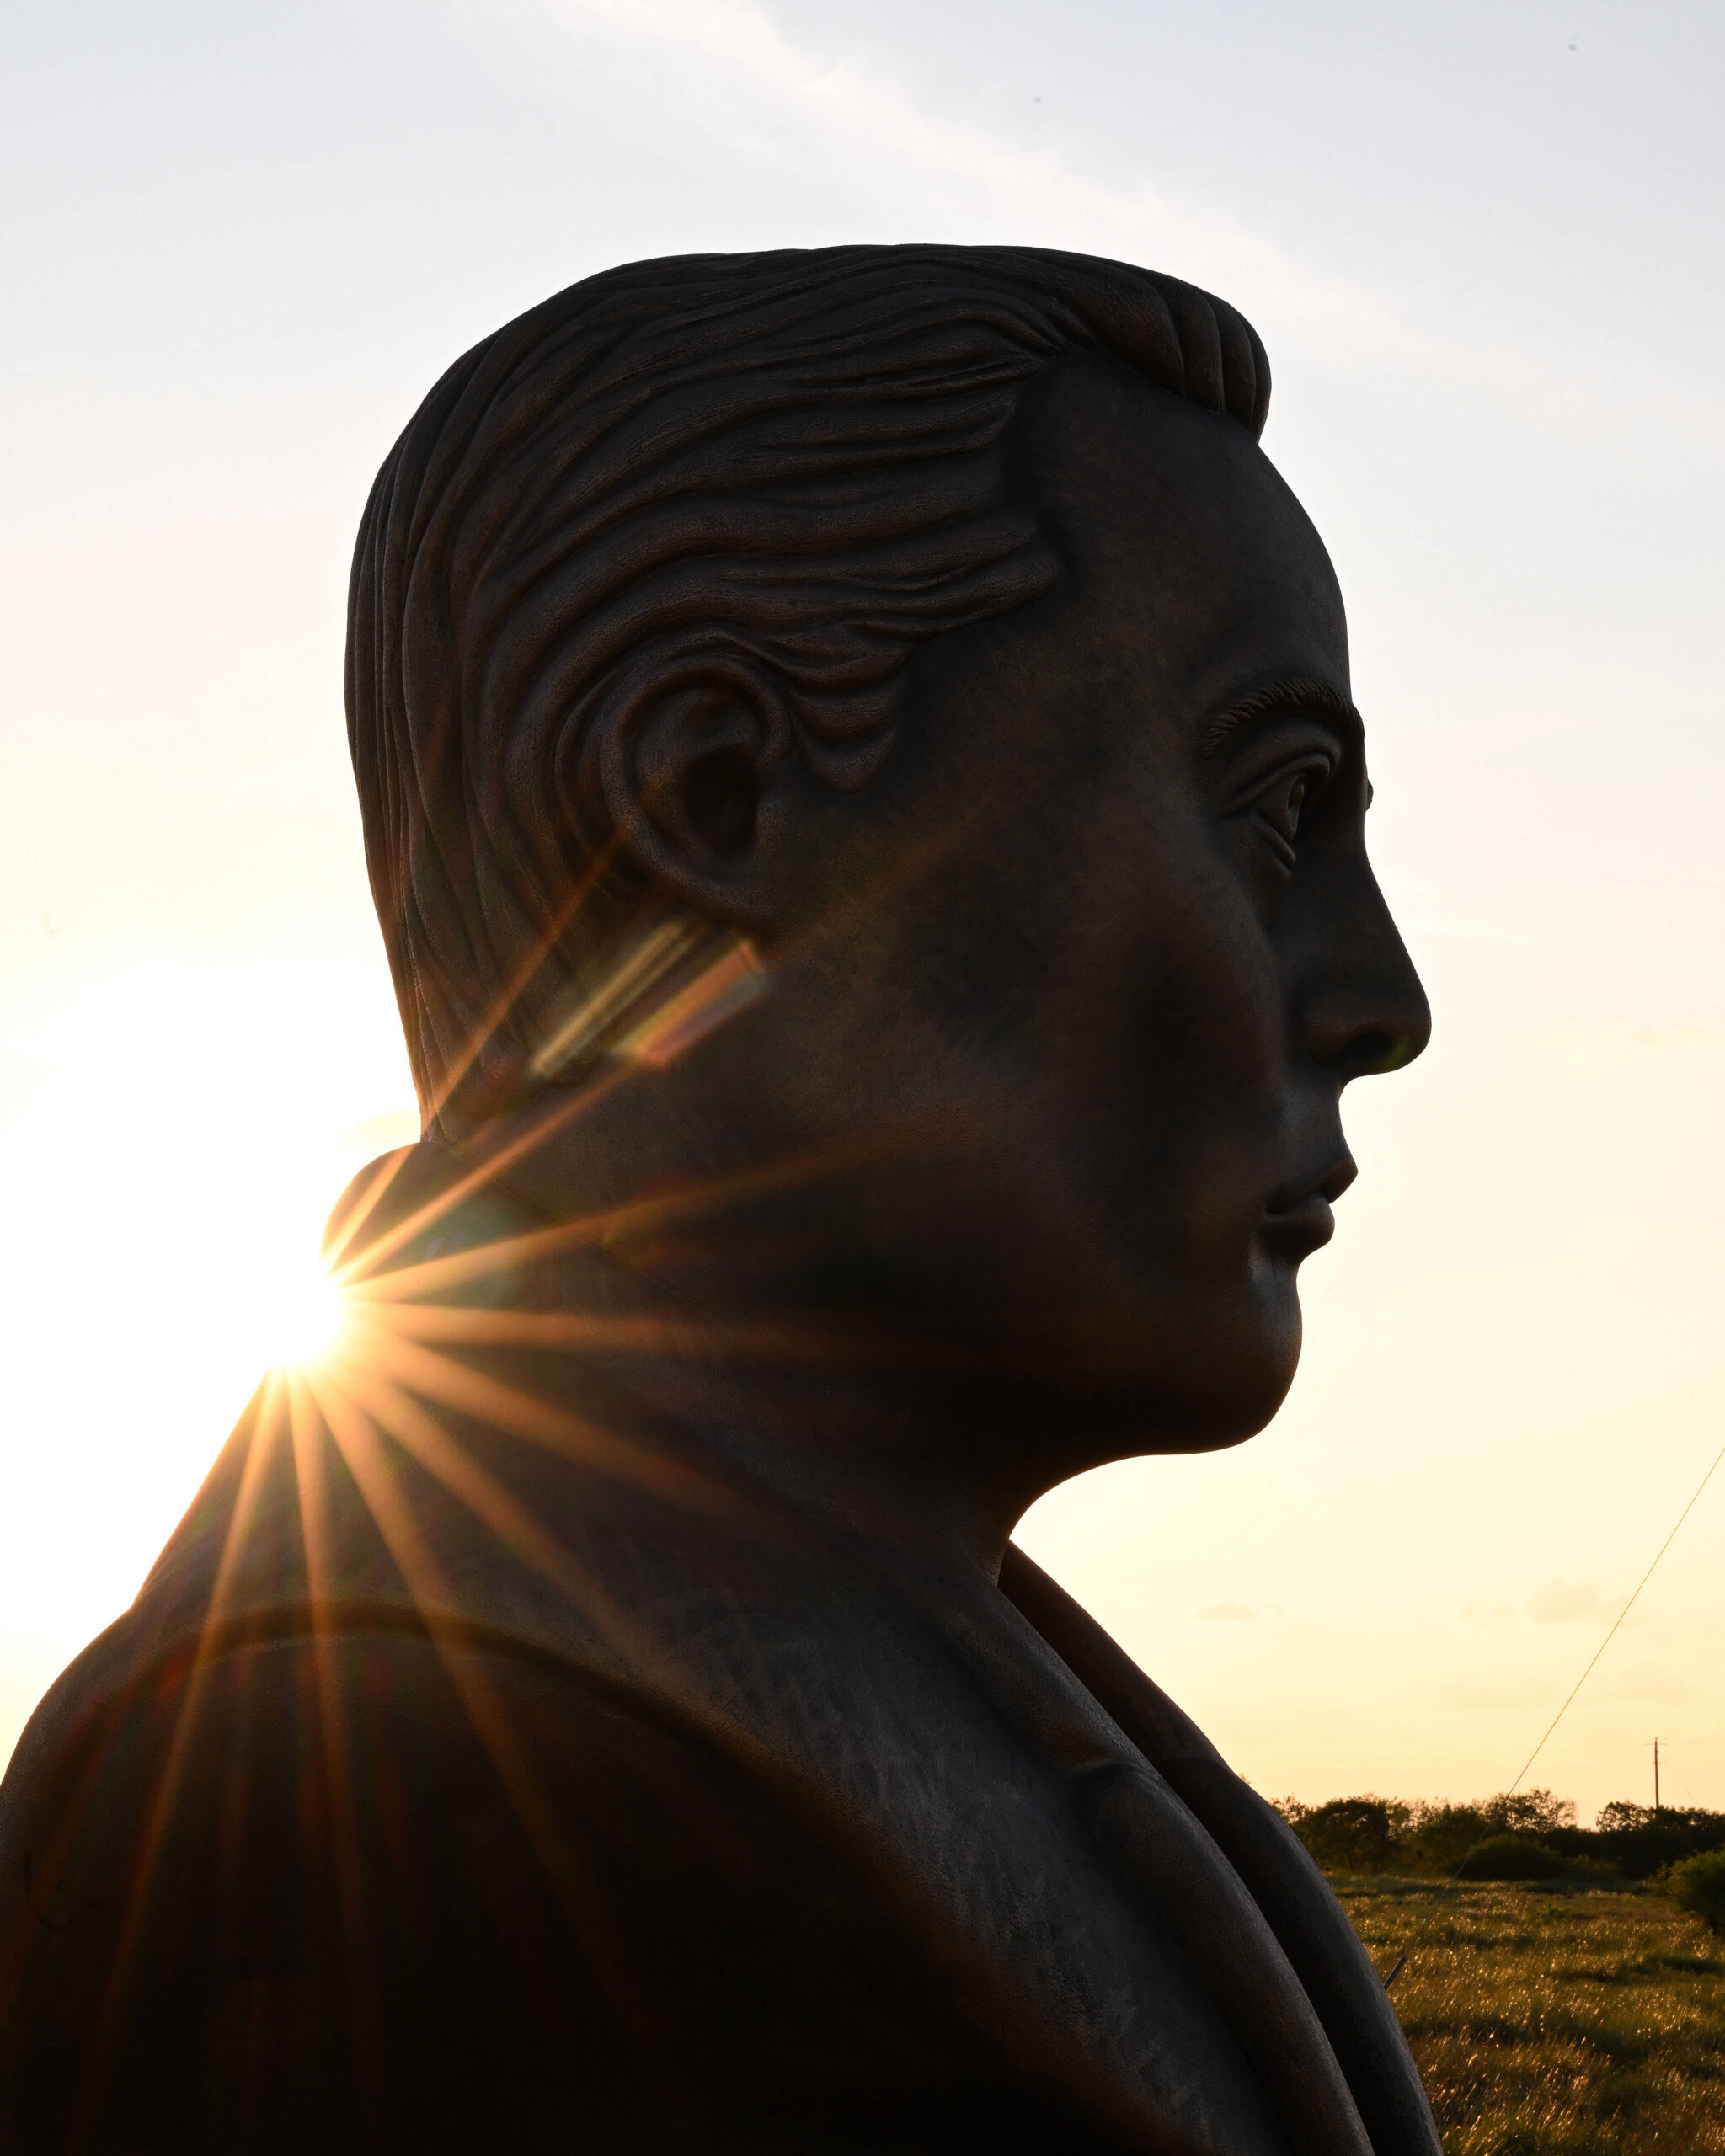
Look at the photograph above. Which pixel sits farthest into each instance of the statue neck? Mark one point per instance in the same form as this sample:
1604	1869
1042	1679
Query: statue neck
727	1296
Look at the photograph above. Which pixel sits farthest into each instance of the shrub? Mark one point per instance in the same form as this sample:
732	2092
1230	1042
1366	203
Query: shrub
1349	1833
1441	1834
1637	1841
1621	1818
1530	1810
1698	1886
1514	1857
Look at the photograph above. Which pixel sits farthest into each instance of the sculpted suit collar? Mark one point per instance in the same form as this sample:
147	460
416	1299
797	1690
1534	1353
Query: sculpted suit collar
1153	1933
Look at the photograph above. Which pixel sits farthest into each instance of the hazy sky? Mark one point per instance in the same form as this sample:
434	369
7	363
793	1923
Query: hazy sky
1483	246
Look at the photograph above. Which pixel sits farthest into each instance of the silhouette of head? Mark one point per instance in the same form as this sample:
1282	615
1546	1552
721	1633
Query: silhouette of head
920	634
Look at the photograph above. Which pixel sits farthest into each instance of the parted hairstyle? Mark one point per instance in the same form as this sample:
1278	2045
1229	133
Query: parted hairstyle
768	475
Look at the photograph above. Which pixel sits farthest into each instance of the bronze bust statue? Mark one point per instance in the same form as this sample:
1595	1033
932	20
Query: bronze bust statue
866	809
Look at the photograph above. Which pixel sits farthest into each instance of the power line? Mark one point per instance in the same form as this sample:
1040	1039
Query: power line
1527	1765
1612	1634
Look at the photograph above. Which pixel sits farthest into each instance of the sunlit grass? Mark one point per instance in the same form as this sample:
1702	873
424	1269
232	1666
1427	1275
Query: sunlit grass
1555	2024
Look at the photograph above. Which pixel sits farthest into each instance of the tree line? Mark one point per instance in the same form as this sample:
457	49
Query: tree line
1531	1835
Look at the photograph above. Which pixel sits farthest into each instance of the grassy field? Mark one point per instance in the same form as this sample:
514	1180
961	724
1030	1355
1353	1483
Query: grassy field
1553	2022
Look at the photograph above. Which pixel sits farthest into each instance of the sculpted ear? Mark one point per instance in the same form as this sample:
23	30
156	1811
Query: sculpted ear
688	776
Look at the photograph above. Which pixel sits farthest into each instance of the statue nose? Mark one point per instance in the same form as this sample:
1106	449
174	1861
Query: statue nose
1372	1016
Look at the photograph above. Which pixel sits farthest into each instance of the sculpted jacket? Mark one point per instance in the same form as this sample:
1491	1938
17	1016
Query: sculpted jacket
482	1767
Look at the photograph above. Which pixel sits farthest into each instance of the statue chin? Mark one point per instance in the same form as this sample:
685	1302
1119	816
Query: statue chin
866	810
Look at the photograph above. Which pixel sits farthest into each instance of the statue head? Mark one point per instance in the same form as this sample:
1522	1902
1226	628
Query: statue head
880	707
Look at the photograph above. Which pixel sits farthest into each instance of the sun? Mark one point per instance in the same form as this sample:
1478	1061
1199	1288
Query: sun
306	1314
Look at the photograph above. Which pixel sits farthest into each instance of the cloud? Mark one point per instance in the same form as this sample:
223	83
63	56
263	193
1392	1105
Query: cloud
1531	1692
1487	1613
775	98
1231	1612
1568	1602
1648	1685
838	120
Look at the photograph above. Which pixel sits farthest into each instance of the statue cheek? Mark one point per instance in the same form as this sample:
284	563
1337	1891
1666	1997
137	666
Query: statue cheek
1215	1015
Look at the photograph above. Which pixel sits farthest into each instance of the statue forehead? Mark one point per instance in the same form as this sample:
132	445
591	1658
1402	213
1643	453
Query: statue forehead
1185	554
1108	456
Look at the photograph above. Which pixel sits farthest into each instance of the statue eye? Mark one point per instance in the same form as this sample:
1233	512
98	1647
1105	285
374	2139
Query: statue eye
1278	808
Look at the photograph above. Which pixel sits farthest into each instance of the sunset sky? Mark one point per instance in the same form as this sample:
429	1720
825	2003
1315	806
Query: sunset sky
1483	244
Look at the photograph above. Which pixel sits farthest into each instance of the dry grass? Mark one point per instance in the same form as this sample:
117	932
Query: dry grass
1553	2023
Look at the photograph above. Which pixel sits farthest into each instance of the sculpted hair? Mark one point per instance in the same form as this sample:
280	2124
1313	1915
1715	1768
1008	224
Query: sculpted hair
769	475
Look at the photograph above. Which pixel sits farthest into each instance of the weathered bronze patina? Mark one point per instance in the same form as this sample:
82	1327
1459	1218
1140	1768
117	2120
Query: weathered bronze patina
866	807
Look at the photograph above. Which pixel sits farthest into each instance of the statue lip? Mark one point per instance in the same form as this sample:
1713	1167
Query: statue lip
1299	1230
1302	1221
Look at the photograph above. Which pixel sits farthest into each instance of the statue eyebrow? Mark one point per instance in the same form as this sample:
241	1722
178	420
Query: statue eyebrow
1297	694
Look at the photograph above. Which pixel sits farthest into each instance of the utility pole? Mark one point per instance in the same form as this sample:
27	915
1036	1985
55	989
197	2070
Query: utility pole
1656	1773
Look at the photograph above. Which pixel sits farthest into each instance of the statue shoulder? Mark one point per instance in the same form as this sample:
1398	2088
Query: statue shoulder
317	1875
